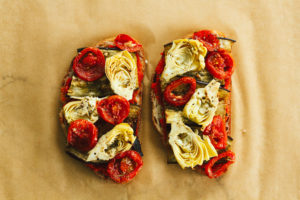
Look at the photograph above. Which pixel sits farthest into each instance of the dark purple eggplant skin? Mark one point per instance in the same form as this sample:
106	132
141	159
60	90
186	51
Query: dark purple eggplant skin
230	138
205	83
224	38
168	44
105	48
220	38
137	147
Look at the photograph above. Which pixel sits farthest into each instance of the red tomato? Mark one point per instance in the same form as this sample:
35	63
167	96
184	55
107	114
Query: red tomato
227	83
219	64
113	109
89	64
125	42
124	166
136	99
82	135
217	133
98	168
160	66
179	100
213	170
208	38
64	90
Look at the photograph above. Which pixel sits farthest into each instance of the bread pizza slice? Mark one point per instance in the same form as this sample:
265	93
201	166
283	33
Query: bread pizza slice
191	101
101	100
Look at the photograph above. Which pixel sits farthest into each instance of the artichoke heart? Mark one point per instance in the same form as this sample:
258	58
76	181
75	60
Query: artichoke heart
203	104
119	139
83	109
121	70
185	55
188	147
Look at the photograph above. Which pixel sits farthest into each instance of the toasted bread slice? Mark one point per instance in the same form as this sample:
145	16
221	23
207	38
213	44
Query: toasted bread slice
74	89
161	109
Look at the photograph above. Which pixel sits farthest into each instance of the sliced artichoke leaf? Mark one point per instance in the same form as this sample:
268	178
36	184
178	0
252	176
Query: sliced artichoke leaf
172	115
121	70
188	147
81	88
212	152
84	108
185	55
119	139
203	104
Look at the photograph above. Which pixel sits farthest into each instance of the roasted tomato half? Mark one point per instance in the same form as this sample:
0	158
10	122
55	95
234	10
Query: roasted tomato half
99	169
180	99
217	133
113	109
125	42
64	90
89	64
219	165
124	166
219	64
208	39
82	135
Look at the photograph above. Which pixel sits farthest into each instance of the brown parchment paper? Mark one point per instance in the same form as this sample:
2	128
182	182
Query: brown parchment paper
38	39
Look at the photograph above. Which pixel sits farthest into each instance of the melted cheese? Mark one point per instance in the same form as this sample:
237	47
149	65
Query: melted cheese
185	55
83	109
119	139
203	104
188	147
121	70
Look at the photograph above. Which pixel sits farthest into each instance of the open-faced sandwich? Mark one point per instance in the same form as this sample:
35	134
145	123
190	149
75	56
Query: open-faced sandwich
101	100
191	101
